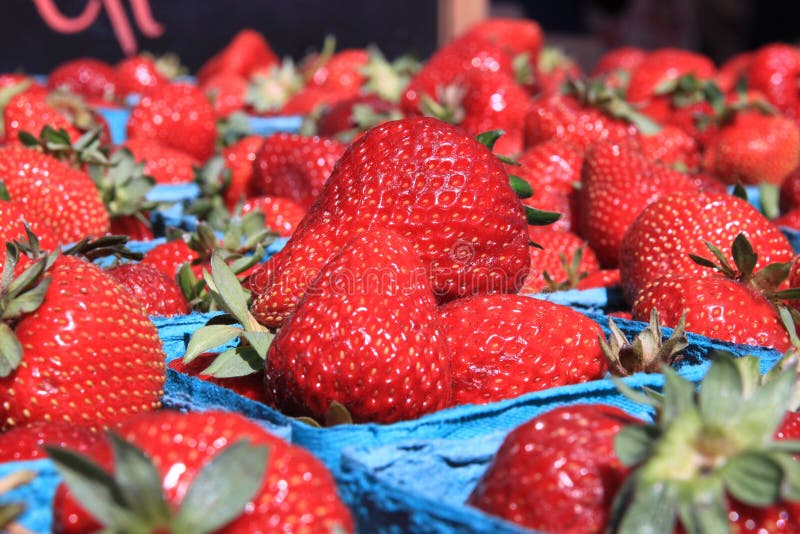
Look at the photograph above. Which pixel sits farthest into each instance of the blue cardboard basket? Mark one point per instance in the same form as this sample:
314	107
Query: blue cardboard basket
265	126
594	300
117	119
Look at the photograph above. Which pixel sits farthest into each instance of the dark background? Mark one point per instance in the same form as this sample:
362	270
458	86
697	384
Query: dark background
195	29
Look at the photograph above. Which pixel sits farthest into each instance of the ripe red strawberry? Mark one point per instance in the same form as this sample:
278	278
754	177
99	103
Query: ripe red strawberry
661	238
672	145
26	442
513	36
617	65
90	355
790	219
310	99
93	79
138	75
63	198
553	69
339	72
158	293
372	345
430	183
294	166
239	159
250	386
773	70
659	68
168	257
559	258
754	148
558	472
178	115
348	118
30	112
789	196
291	488
601	278
281	215
227	92
14	216
167	165
504	346
247	52
618	183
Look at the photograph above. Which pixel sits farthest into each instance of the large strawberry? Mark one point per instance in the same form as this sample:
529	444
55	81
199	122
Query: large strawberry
428	182
178	115
660	239
366	335
504	346
256	481
246	53
93	79
81	351
65	199
617	184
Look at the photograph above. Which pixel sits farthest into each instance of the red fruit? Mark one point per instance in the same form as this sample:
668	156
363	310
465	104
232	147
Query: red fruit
61	197
553	69
371	343
239	159
555	257
168	257
280	214
227	92
158	293
558	472
297	491
14	216
247	52
165	164
177	115
90	78
340	118
250	386
339	73
601	278
25	442
661	238
504	346
790	191
294	166
733	71
310	99
618	183
513	36
672	145
715	307
138	75
790	219
773	71
754	148
30	112
430	183
91	356
132	226
618	64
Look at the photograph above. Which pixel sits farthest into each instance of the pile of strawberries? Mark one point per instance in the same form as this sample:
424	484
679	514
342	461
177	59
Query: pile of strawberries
423	204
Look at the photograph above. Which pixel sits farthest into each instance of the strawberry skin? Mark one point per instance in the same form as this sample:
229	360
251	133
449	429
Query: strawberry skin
715	307
239	158
431	184
227	92
158	293
374	346
281	215
558	472
661	238
165	164
63	198
773	70
13	218
138	75
294	166
558	249
25	442
298	493
30	112
93	79
514	36
178	115
504	346
91	356
168	257
248	51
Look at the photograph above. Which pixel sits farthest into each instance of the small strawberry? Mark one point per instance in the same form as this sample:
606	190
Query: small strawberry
246	53
671	146
553	69
167	165
281	215
178	115
504	346
294	166
558	472
239	159
773	71
93	79
168	257
30	112
601	278
255	480
617	65
339	72
138	75
563	260
348	118
789	194
227	92
158	293
514	36
27	442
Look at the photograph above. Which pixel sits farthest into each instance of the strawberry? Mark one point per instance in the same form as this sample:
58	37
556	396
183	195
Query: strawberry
789	195
563	260
754	148
348	118
733	72
14	217
553	69
165	164
773	71
397	366
168	257
527	481
504	346
138	75
513	36
63	198
87	354
250	386
617	65
178	115
227	92
26	442
93	79
601	278
428	182
618	183
30	112
790	219
660	239
158	293
339	72
671	146
310	99
239	159
281	215
247	52
294	166
260	481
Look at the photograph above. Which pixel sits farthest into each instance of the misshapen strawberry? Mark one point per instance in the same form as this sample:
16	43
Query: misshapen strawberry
365	335
431	184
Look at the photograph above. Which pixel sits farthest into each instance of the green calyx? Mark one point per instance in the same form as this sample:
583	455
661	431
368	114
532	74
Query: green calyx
103	247
57	143
336	414
649	352
571	268
238	323
387	79
707	444
132	500
123	185
232	128
269	92
594	93
446	105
